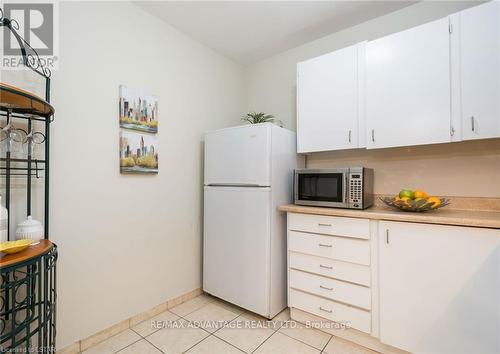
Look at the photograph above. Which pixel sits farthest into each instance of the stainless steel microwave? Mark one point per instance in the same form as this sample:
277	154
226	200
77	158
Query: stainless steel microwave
350	187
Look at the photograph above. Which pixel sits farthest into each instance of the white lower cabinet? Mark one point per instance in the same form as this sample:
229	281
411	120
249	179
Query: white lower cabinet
332	289
340	248
439	288
331	310
329	271
332	268
421	288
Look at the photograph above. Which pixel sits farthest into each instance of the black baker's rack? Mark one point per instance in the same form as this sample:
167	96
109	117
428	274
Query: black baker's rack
28	291
29	167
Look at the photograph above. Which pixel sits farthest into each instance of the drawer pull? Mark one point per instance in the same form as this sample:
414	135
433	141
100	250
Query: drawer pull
324	287
326	267
324	245
321	224
325	310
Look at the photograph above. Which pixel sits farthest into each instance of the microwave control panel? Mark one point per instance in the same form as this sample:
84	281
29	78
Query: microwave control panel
356	190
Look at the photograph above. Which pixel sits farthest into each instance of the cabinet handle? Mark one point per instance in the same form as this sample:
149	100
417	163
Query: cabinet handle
326	267
473	125
324	245
324	287
320	224
373	135
350	133
387	236
326	310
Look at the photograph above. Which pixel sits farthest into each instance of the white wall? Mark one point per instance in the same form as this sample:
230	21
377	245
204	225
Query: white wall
447	169
129	242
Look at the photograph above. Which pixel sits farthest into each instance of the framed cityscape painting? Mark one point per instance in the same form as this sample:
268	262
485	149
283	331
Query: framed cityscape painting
138	131
138	110
138	152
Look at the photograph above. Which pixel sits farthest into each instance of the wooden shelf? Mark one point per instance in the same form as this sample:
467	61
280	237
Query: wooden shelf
33	251
23	102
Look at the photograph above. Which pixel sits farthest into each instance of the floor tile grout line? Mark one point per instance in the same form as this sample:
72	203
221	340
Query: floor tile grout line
228	322
273	332
265	340
140	335
194	324
128	345
161	351
301	341
329	340
218	329
156	330
167	310
212	299
149	319
231	344
199	308
195	344
238	314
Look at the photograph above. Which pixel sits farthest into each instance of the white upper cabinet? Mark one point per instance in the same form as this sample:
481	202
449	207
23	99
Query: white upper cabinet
476	50
408	87
329	101
435	83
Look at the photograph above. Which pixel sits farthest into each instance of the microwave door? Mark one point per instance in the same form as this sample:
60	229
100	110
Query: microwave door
322	189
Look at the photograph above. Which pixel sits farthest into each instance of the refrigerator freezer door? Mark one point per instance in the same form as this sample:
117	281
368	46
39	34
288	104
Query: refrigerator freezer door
239	156
236	255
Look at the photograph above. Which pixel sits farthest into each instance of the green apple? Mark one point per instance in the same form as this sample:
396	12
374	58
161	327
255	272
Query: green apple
406	193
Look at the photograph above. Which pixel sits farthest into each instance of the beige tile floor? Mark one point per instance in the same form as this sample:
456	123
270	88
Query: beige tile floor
206	325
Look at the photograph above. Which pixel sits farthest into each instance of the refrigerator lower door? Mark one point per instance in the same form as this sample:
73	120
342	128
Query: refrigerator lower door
236	253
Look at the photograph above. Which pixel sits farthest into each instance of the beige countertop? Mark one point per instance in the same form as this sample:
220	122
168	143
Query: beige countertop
444	216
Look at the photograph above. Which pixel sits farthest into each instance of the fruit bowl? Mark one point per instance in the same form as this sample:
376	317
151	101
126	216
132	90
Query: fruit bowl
420	205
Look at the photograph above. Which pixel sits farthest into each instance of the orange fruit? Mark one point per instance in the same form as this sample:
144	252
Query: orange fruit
420	194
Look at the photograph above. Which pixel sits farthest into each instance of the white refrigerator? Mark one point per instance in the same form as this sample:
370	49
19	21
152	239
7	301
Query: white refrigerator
248	174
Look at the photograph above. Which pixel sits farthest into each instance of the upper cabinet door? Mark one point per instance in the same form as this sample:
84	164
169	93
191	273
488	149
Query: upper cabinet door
408	87
479	53
328	100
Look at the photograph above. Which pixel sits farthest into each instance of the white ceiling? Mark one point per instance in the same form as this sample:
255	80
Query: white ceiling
248	31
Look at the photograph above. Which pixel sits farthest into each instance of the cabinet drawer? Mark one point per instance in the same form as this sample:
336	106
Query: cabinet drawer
351	294
353	273
330	225
331	310
340	248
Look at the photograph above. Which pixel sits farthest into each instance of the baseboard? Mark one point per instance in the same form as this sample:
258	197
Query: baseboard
109	332
349	334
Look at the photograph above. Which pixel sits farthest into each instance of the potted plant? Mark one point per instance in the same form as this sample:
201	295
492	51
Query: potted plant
261	117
